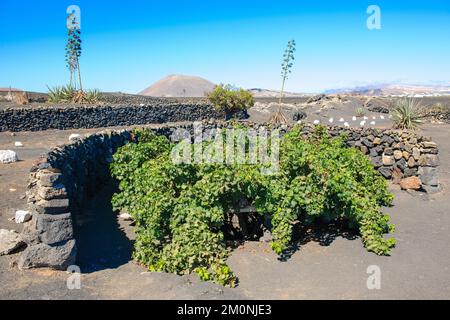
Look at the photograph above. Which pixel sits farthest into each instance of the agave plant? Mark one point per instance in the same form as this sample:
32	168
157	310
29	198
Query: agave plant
62	94
92	96
407	114
69	94
360	112
54	94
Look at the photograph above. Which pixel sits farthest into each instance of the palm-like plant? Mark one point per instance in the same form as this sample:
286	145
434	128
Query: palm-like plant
407	114
73	50
92	96
286	66
62	94
69	94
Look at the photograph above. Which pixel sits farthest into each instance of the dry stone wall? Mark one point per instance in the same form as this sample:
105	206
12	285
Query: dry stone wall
443	116
59	183
62	179
397	154
76	117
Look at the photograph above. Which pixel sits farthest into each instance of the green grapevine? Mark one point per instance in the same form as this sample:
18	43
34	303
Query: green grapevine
180	209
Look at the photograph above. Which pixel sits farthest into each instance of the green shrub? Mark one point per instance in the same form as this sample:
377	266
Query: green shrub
360	112
229	100
62	94
180	209
439	107
407	114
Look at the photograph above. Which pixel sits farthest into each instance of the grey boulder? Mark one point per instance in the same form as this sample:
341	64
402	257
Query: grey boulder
59	256
9	241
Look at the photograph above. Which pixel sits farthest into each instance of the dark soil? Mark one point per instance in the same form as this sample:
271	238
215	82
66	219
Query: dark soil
326	263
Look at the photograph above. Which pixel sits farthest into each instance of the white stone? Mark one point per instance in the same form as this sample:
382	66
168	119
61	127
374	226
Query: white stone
373	123
126	216
374	118
74	137
9	241
341	120
316	122
18	144
365	118
346	124
331	120
382	117
22	216
8	156
299	121
362	123
354	118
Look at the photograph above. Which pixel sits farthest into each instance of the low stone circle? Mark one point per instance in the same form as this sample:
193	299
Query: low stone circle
61	180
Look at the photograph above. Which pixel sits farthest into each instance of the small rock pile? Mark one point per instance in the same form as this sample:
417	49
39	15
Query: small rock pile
318	98
377	105
49	235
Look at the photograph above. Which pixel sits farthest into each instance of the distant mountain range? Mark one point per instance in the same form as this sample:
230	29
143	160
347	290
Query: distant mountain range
177	85
395	90
192	86
266	93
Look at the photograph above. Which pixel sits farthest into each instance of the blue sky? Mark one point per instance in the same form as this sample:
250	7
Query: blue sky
128	45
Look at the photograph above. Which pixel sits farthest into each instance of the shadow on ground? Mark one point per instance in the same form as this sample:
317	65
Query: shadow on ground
323	234
103	242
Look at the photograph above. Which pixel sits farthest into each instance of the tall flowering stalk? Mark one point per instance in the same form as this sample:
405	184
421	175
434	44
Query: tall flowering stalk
286	69
73	51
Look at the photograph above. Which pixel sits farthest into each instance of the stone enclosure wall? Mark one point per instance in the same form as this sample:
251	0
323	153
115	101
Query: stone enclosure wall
59	183
76	117
398	155
439	116
62	179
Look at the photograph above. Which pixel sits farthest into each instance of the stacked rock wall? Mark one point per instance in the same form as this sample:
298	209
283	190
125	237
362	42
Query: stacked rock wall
397	154
61	180
443	116
76	117
59	183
